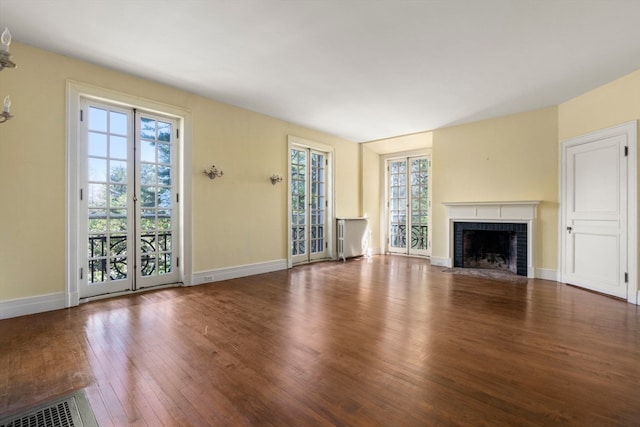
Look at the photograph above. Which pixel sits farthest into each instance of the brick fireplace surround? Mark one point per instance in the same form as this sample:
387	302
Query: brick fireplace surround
510	212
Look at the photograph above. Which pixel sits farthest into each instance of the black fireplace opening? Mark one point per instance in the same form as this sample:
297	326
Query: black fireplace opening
497	246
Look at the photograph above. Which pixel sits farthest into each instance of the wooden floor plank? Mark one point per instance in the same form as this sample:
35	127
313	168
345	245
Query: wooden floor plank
382	341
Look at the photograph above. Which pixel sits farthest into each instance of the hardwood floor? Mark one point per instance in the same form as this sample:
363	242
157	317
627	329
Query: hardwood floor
386	341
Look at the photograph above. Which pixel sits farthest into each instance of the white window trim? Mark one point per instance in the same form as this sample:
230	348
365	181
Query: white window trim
302	142
76	90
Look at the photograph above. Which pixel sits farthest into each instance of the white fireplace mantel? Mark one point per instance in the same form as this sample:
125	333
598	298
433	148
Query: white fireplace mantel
499	211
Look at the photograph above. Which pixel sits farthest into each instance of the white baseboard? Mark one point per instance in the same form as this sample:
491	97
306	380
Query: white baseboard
547	274
441	262
374	251
237	271
31	305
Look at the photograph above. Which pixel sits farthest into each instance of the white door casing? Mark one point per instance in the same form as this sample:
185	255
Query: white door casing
75	245
598	210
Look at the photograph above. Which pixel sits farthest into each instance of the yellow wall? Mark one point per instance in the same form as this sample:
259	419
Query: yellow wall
609	105
237	220
504	159
371	196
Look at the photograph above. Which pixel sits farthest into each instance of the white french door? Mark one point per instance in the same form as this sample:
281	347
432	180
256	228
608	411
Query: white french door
408	205
308	205
128	199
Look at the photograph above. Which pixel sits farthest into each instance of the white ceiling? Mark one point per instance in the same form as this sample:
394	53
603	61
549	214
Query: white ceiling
360	69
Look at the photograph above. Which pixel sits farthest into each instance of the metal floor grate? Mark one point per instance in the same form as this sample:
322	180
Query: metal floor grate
69	411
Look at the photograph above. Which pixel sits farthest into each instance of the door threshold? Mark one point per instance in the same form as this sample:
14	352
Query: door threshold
129	292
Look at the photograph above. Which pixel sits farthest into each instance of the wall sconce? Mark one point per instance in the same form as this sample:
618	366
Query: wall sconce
5	56
213	172
5	62
6	115
275	179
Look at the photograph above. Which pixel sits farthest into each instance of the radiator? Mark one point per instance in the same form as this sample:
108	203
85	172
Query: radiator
353	237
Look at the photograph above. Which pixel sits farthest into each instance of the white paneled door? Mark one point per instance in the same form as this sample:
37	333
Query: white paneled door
595	222
128	200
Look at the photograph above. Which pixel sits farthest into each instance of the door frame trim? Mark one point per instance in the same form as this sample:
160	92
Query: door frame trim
75	91
630	131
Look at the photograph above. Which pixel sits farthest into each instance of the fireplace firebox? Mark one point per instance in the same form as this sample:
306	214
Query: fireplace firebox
499	246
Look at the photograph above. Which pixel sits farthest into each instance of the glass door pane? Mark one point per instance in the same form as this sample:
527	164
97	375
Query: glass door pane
408	206
309	238
397	206
317	206
299	205
156	204
106	145
130	209
419	205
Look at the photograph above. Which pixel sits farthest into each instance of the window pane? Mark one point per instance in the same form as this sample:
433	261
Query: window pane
148	264
97	195
164	153
148	174
97	169
97	119
118	147
164	175
117	224
164	197
118	245
118	171
118	213
164	241
97	144
97	246
164	131
148	128
97	225
164	223
147	151
118	268
148	195
117	123
148	219
118	195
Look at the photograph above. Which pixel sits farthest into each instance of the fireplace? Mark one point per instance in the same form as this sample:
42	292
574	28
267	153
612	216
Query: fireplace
508	230
497	246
